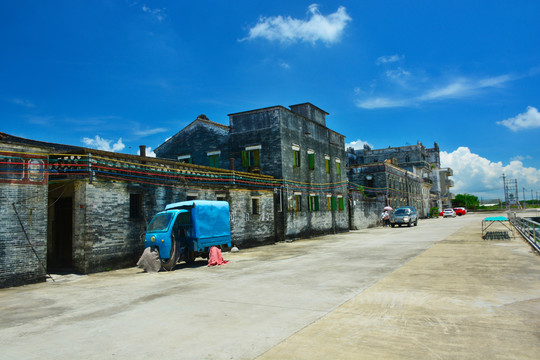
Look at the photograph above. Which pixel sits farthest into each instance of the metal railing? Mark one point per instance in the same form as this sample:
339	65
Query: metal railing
529	229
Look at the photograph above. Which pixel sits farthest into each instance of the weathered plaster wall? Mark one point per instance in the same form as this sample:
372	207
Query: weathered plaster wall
105	237
18	263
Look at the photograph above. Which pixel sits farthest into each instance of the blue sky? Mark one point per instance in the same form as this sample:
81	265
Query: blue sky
118	74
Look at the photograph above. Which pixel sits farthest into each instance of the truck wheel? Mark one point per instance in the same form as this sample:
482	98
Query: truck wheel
409	224
170	263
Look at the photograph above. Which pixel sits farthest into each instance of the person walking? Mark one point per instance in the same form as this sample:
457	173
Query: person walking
385	218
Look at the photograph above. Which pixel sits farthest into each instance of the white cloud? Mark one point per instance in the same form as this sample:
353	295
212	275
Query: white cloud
397	73
22	102
521	157
479	176
389	59
148	132
318	27
527	120
378	103
159	14
149	152
358	144
284	65
458	87
103	144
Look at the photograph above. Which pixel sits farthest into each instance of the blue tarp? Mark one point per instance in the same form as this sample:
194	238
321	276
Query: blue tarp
210	218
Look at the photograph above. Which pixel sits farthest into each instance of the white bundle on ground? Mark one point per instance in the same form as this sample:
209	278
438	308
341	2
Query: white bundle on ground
149	261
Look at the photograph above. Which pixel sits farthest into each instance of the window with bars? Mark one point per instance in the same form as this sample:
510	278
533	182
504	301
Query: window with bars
135	206
255	206
313	203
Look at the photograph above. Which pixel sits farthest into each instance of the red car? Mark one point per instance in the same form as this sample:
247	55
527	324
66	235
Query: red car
460	211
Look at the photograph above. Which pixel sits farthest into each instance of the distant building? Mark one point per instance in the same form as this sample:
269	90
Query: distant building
423	162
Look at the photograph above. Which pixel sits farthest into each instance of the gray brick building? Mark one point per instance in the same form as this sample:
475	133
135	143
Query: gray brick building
416	159
85	210
293	145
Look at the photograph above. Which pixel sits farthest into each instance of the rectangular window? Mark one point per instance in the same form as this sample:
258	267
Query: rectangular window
297	202
296	155
135	206
311	160
185	159
255	206
329	202
327	163
251	157
341	203
338	167
313	203
213	160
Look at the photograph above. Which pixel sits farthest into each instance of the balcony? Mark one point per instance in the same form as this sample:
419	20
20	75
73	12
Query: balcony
449	183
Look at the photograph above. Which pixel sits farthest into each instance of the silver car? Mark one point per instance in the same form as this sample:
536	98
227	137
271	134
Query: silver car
404	215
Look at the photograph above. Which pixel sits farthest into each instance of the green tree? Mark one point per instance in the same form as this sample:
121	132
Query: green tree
466	200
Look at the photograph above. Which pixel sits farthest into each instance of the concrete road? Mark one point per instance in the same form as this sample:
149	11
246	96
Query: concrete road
433	291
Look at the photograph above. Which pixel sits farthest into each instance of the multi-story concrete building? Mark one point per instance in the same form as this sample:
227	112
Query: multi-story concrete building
416	159
395	186
293	145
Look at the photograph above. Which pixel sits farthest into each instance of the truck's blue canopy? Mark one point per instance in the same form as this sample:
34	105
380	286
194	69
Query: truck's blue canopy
210	218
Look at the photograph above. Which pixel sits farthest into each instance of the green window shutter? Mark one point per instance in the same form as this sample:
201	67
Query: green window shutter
309	204
327	166
338	168
213	161
341	204
334	206
256	158
311	160
316	203
245	158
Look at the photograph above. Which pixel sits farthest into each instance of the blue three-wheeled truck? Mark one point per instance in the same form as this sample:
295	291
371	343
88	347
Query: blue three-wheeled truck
187	230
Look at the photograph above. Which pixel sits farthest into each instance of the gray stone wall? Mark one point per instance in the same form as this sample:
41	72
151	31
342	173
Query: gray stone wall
257	128
105	237
365	213
249	226
18	262
197	140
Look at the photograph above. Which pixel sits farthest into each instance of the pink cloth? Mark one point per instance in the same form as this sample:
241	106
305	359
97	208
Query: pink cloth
215	258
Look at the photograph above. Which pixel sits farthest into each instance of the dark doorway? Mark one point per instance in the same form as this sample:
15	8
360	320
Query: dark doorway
61	258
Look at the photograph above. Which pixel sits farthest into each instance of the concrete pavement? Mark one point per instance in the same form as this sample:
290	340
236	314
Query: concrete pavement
432	291
464	298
